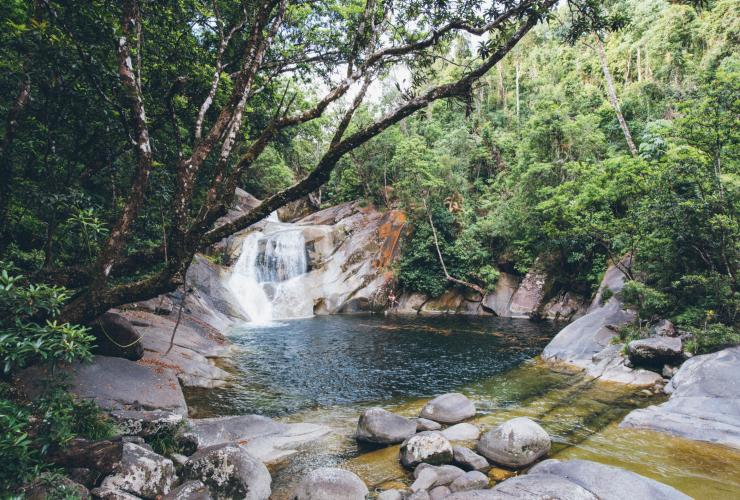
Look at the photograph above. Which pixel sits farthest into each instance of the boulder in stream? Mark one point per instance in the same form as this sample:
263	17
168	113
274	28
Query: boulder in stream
429	447
468	459
330	483
229	472
449	408
472	480
516	443
462	432
379	426
704	403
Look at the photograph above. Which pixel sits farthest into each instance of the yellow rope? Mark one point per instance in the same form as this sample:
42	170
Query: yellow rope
116	343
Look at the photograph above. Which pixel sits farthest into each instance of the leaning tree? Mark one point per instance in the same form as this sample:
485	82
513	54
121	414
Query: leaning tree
183	96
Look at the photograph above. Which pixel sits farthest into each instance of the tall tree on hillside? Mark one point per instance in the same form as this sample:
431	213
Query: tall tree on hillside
179	100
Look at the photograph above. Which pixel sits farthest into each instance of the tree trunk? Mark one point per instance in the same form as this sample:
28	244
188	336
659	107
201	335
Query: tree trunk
613	97
517	69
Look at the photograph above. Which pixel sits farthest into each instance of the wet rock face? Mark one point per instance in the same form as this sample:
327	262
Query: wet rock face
229	472
329	483
116	336
142	473
429	447
654	352
379	426
704	403
448	408
516	443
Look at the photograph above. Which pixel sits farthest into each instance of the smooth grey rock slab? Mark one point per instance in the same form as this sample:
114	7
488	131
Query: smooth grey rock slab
468	459
379	426
449	408
116	384
263	437
330	483
142	473
515	443
429	447
607	482
229	472
704	403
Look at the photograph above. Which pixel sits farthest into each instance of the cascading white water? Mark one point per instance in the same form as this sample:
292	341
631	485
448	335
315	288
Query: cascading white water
264	278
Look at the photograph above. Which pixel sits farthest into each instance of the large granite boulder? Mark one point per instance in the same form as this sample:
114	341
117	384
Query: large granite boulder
516	443
704	403
655	352
142	473
115	384
116	336
50	486
429	447
329	483
448	408
229	472
262	437
532	291
499	300
379	426
587	344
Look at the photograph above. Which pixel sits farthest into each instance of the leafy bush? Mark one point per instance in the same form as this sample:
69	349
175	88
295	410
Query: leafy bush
26	336
18	456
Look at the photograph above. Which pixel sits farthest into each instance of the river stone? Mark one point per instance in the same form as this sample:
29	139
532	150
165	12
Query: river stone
439	492
429	446
462	432
419	495
229	472
112	494
146	423
390	495
190	490
517	443
330	483
655	352
606	482
142	473
428	476
533	487
468	459
116	336
379	426
101	457
424	424
448	408
473	480
704	403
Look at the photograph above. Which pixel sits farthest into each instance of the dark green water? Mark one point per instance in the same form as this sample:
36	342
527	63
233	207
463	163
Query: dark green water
344	360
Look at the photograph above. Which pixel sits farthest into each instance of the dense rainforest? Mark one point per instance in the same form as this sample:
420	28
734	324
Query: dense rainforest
566	135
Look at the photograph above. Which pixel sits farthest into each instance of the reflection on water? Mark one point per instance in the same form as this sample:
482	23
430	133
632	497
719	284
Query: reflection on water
327	370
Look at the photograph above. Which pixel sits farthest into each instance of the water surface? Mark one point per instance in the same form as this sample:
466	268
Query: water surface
329	369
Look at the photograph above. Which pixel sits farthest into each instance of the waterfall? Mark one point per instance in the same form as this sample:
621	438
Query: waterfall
266	278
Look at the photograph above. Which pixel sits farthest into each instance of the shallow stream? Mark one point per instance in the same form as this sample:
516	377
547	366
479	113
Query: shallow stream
327	369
